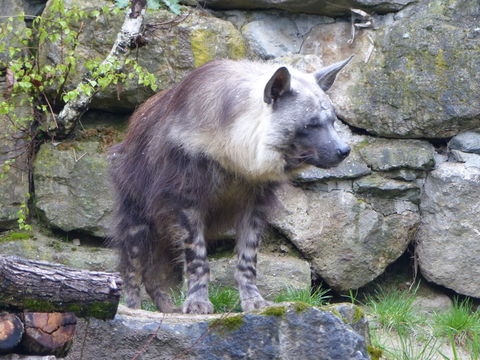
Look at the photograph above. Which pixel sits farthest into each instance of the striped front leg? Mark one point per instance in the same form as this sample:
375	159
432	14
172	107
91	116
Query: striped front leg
249	231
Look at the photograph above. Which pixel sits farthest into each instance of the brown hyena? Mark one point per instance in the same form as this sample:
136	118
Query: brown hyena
207	155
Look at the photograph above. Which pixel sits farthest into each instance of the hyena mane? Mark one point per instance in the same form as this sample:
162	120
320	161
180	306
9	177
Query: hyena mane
206	156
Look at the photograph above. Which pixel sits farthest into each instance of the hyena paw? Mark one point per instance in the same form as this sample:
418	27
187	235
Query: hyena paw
197	306
255	304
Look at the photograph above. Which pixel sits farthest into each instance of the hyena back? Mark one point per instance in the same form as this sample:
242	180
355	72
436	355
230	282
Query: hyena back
207	155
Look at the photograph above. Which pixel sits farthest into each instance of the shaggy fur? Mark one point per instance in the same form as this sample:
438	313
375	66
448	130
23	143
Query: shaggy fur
207	155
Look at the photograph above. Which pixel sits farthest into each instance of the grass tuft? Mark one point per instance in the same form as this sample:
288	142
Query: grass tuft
393	310
459	323
317	297
224	299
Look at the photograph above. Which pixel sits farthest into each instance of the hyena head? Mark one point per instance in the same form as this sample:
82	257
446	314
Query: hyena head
303	117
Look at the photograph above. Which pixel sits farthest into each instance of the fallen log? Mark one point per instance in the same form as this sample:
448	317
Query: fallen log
44	287
11	332
48	333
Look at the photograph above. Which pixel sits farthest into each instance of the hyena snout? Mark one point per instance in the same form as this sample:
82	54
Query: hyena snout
343	150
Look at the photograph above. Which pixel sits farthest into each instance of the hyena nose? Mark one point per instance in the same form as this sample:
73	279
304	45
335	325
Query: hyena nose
343	151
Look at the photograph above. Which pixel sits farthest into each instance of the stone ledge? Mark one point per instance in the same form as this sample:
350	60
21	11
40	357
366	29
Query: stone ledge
284	331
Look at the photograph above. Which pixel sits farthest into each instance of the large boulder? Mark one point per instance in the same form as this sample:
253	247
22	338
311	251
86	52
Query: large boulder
71	187
285	332
420	77
174	46
448	245
348	239
322	7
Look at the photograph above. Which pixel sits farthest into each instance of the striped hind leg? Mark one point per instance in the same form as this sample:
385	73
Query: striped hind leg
131	267
161	275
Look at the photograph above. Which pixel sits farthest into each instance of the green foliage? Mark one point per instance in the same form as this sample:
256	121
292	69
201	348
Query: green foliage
6	166
316	297
22	215
393	310
460	323
172	5
36	90
43	86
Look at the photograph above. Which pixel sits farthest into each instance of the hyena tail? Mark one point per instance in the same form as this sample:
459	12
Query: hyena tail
144	258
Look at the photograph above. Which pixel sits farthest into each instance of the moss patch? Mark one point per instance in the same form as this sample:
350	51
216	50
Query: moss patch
274	311
358	314
12	236
374	352
227	324
203	46
301	306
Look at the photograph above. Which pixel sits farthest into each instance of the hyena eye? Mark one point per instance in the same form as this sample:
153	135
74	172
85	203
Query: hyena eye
312	123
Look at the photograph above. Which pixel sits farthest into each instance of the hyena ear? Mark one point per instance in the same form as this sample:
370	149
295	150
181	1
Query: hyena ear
326	76
278	85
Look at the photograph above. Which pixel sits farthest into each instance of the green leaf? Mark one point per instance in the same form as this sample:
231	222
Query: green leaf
173	6
121	3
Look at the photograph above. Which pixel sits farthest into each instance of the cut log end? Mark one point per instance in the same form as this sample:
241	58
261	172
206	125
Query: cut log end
11	332
48	333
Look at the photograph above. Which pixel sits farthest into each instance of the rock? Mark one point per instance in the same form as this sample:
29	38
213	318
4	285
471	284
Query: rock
172	50
404	174
291	332
91	256
352	167
28	357
333	43
384	155
378	185
271	38
447	240
274	273
71	187
465	157
468	141
322	7
346	239
430	300
34	7
422	80
272	34
14	182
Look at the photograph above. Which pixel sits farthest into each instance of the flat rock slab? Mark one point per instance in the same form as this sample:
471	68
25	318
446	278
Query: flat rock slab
322	7
286	331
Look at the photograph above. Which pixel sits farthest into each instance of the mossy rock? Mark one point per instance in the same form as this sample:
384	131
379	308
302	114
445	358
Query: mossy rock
422	79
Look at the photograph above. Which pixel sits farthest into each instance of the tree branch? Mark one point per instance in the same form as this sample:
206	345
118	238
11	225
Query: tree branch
68	118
